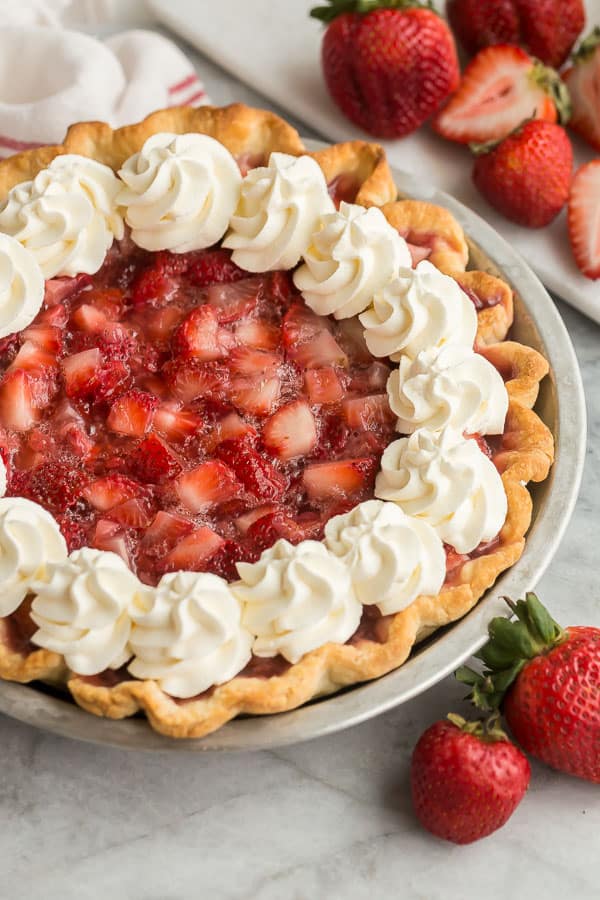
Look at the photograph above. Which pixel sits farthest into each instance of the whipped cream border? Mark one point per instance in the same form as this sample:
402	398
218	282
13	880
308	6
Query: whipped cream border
129	611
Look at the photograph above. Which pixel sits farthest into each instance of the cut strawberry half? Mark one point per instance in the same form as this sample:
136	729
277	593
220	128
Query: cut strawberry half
192	379
341	479
249	361
235	301
501	88
209	484
257	333
199	336
308	339
291	431
47	337
17	411
154	462
134	513
253	470
584	219
175	423
257	396
323	385
230	426
132	413
192	552
367	412
583	81
106	493
87	377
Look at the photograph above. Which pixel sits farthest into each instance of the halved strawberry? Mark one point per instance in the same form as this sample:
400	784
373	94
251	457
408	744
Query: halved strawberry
48	337
237	300
291	431
87	377
583	82
308	339
208	484
192	552
190	379
500	88
175	423
259	334
214	267
584	218
367	412
256	396
199	336
253	470
323	385
243	523
110	536
131	414
105	493
340	479
250	361
42	372
17	411
134	513
165	530
32	358
59	289
153	461
229	427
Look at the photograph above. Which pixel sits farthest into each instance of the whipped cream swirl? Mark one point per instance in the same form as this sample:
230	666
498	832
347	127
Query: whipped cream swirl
83	609
30	544
278	211
297	598
187	634
354	254
180	192
419	309
21	286
447	481
392	558
449	385
67	216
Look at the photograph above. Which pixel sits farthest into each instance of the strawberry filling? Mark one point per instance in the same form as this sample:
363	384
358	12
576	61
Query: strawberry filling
184	414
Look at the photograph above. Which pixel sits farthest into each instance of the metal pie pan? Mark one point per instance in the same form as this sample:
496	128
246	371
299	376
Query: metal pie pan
561	405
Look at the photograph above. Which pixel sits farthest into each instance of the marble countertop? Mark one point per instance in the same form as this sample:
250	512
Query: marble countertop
327	819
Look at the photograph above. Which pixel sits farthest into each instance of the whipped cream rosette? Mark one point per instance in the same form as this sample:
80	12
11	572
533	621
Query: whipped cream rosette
354	253
82	610
180	192
187	634
297	598
420	309
446	481
392	558
21	286
30	545
67	217
279	209
448	385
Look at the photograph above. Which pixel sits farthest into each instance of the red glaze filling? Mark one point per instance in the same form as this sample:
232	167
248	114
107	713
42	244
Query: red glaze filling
186	415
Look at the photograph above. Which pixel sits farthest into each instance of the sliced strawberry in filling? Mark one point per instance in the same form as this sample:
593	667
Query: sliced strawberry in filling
184	414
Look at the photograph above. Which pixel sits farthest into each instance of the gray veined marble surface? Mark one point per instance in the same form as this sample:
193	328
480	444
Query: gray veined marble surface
327	819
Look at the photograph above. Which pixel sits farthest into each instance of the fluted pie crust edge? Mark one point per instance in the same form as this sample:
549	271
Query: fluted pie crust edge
526	453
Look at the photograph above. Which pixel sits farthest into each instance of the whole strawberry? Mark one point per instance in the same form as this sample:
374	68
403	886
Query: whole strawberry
501	88
582	80
547	681
388	64
527	176
466	779
547	28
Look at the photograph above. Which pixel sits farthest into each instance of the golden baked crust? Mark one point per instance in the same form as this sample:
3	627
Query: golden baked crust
432	228
525	453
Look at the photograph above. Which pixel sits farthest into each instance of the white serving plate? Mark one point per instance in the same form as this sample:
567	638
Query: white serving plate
274	47
561	405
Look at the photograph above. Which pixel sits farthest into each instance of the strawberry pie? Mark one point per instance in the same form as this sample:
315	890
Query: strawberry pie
260	429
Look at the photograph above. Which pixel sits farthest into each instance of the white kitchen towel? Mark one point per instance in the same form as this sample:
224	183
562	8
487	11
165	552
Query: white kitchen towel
51	77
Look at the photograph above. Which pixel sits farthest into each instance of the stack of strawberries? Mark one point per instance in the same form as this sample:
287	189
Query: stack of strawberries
390	65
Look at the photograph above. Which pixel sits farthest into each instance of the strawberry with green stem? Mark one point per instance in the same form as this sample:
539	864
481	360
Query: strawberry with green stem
546	681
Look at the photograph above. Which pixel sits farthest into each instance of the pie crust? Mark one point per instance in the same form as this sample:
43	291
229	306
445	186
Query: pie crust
523	454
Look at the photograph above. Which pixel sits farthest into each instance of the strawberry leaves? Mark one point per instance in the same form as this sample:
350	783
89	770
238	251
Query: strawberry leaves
337	7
